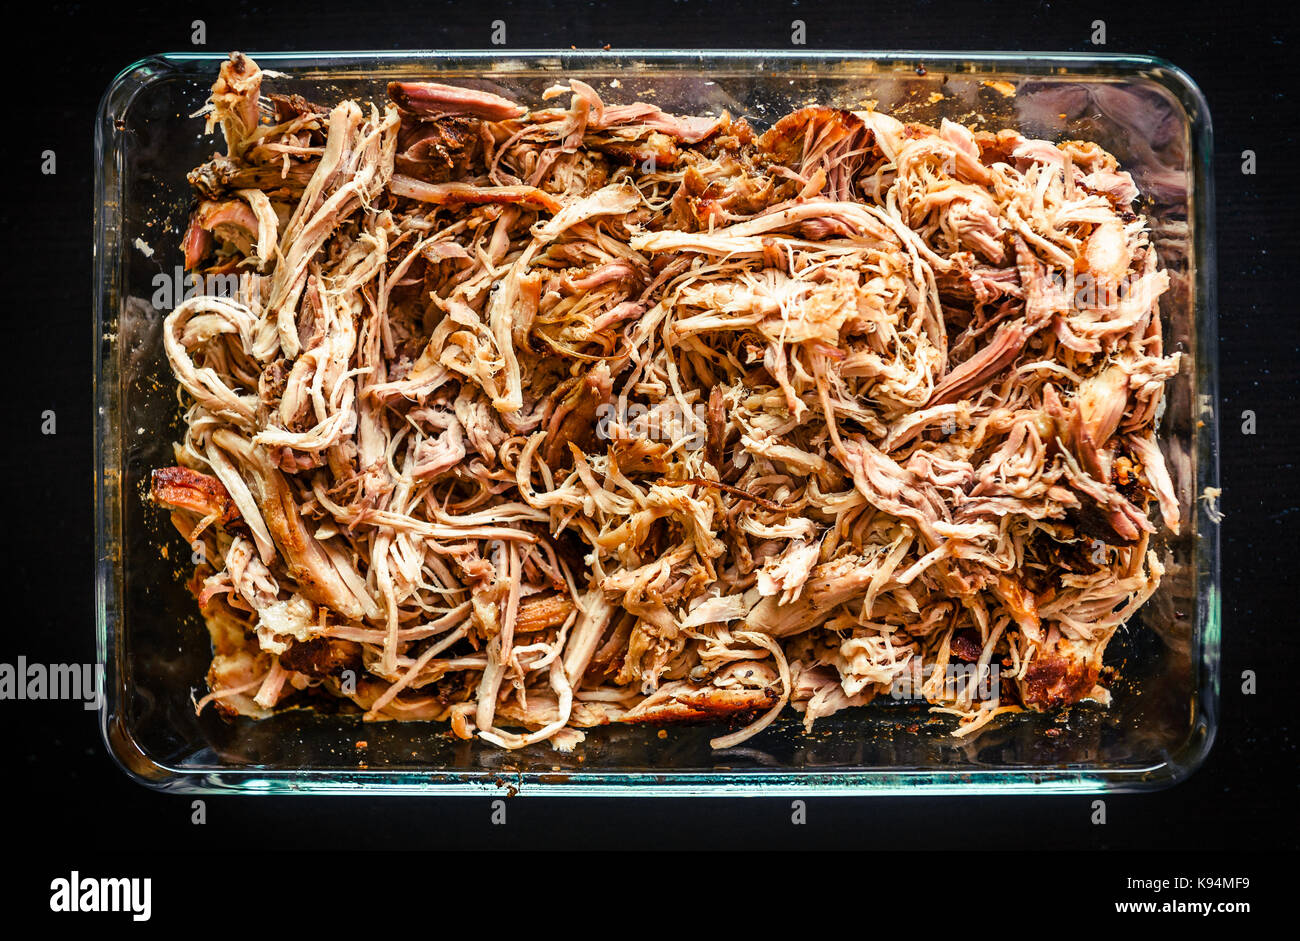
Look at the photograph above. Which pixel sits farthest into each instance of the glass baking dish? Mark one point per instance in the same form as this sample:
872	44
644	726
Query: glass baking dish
155	649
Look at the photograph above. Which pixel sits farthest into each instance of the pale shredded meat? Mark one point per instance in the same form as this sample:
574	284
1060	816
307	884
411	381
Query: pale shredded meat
538	420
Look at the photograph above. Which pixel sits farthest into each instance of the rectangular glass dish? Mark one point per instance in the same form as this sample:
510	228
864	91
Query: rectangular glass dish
153	643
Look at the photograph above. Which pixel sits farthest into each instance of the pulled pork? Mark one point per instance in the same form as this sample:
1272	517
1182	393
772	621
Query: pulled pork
537	420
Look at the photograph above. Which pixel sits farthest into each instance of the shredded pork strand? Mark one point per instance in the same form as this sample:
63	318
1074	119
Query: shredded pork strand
538	420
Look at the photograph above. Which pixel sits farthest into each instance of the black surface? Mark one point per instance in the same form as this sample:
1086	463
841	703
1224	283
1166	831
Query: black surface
63	790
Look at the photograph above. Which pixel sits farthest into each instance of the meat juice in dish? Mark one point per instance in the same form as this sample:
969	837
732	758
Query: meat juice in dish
532	417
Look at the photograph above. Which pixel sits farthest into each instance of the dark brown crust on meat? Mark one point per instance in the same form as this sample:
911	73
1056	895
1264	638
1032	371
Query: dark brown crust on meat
717	423
1053	681
431	150
288	107
180	488
574	420
966	645
322	656
996	148
220	175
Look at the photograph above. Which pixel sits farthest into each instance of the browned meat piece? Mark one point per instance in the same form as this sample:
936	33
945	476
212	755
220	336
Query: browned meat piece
322	656
432	98
220	176
687	129
737	189
976	372
453	194
997	147
429	147
1020	603
966	645
183	489
574	419
789	138
717	429
542	611
1053	681
703	704
196	244
288	107
821	143
304	557
655	148
231	221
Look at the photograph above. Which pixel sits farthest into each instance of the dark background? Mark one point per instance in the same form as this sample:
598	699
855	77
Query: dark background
63	790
